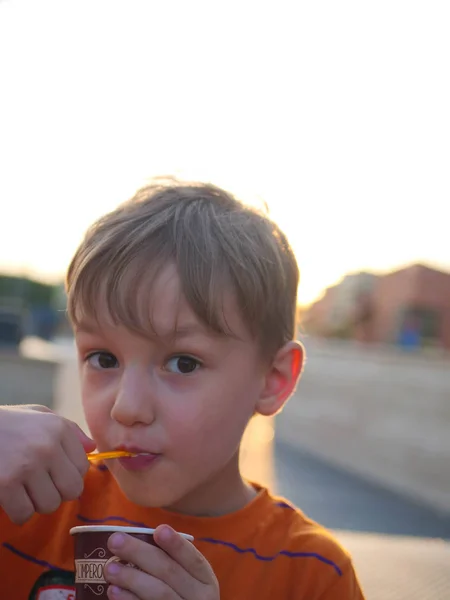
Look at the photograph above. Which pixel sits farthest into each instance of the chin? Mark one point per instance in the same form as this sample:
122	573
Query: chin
147	498
148	495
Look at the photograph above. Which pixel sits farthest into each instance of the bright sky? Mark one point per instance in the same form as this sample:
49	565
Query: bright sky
334	113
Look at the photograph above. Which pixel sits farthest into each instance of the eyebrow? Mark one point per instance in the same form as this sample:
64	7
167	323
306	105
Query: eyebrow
86	327
190	329
179	332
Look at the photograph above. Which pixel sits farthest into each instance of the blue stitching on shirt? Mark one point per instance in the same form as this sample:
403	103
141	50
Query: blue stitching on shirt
112	518
41	563
284	505
101	467
273	557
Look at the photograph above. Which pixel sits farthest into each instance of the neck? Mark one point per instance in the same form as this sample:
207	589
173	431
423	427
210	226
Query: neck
224	493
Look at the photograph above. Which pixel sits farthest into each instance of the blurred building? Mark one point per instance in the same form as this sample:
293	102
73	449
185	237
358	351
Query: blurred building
334	313
351	299
409	307
412	307
317	319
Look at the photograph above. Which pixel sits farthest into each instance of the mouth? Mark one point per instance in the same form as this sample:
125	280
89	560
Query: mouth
142	460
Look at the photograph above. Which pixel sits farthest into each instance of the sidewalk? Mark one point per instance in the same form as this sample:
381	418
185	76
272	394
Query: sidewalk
400	568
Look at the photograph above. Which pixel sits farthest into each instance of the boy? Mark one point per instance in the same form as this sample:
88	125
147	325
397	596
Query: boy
183	305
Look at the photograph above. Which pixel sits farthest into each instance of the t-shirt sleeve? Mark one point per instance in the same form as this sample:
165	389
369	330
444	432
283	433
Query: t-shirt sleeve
346	587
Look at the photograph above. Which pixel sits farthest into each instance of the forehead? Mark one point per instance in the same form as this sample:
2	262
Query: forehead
165	307
157	307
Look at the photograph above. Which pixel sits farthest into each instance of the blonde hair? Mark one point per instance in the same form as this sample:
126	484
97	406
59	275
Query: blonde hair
217	244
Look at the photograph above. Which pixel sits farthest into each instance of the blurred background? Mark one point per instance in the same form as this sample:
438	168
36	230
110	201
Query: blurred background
333	115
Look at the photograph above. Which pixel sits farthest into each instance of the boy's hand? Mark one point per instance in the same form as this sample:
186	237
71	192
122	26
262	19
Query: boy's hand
174	571
42	461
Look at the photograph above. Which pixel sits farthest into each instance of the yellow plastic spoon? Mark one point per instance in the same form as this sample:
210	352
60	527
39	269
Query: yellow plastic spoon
93	456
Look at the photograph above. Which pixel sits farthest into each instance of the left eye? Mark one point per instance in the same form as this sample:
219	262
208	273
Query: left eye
183	365
102	360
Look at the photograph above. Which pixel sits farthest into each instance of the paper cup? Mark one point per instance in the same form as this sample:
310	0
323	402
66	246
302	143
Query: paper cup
92	555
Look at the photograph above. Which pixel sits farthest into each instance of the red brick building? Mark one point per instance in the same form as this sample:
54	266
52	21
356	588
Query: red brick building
409	304
417	297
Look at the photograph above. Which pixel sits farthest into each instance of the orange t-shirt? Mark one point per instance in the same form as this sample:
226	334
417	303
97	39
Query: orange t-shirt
266	550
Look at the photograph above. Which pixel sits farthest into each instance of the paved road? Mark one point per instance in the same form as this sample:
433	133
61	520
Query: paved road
340	500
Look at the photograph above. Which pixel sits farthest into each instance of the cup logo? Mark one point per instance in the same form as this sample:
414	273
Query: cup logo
89	569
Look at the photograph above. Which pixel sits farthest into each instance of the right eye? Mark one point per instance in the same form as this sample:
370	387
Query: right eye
102	360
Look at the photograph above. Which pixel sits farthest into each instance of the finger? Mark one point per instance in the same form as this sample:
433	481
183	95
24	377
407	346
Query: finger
155	562
184	553
88	443
38	408
75	452
17	505
66	477
42	492
140	584
117	593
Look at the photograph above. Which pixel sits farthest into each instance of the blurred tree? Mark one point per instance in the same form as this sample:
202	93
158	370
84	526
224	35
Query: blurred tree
36	300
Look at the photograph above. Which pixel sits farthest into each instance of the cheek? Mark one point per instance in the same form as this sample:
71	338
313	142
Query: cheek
97	404
95	416
216	417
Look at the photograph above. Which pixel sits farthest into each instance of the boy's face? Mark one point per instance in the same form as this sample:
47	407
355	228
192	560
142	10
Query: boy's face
185	395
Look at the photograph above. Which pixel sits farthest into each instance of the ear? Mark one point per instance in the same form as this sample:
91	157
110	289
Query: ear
281	379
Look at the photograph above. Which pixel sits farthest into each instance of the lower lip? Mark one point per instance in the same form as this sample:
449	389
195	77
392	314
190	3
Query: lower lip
138	463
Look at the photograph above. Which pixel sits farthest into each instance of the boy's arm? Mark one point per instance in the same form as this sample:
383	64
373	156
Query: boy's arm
347	587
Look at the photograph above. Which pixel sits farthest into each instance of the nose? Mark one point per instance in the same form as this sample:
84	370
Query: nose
134	400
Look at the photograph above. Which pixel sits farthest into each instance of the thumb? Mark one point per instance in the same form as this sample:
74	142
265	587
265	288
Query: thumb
88	443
